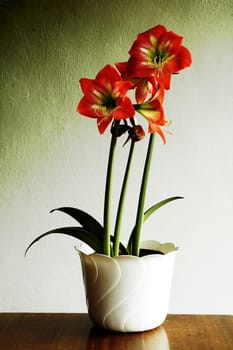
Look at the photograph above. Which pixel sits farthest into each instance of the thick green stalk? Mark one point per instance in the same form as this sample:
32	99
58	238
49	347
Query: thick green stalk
116	241
108	192
142	196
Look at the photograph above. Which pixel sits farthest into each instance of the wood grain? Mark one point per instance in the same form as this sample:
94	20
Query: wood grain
29	331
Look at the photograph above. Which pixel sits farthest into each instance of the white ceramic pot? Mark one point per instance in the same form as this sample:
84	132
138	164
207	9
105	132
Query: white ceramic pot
128	293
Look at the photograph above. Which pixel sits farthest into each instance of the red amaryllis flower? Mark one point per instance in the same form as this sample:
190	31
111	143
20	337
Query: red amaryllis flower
105	98
153	111
157	52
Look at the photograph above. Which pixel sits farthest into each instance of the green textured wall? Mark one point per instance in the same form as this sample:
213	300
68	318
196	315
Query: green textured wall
50	156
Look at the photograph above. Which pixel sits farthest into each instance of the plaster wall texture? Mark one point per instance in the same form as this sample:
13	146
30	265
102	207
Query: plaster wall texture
51	157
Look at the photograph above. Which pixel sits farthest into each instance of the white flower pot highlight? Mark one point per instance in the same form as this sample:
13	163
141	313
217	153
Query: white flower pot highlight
128	293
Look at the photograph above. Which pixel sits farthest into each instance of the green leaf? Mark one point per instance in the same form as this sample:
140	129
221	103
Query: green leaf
77	232
158	205
147	214
86	220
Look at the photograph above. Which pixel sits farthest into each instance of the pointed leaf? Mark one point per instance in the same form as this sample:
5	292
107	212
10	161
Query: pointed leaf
86	220
77	232
158	205
147	214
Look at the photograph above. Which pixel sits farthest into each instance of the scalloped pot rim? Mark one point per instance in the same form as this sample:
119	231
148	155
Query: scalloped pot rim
165	248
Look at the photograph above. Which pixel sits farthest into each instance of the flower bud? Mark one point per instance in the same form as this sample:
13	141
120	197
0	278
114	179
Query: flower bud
136	133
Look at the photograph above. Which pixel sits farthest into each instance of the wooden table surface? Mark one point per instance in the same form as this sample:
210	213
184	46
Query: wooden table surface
33	331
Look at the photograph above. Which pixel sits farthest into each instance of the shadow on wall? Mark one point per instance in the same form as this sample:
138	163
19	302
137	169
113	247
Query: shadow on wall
46	47
46	29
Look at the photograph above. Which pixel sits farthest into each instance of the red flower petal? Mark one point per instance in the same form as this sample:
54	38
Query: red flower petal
182	60
124	110
121	88
85	108
88	87
103	123
155	128
107	75
122	67
169	42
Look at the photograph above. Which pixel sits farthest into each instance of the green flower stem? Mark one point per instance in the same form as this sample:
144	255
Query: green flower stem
108	192
142	196
118	223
